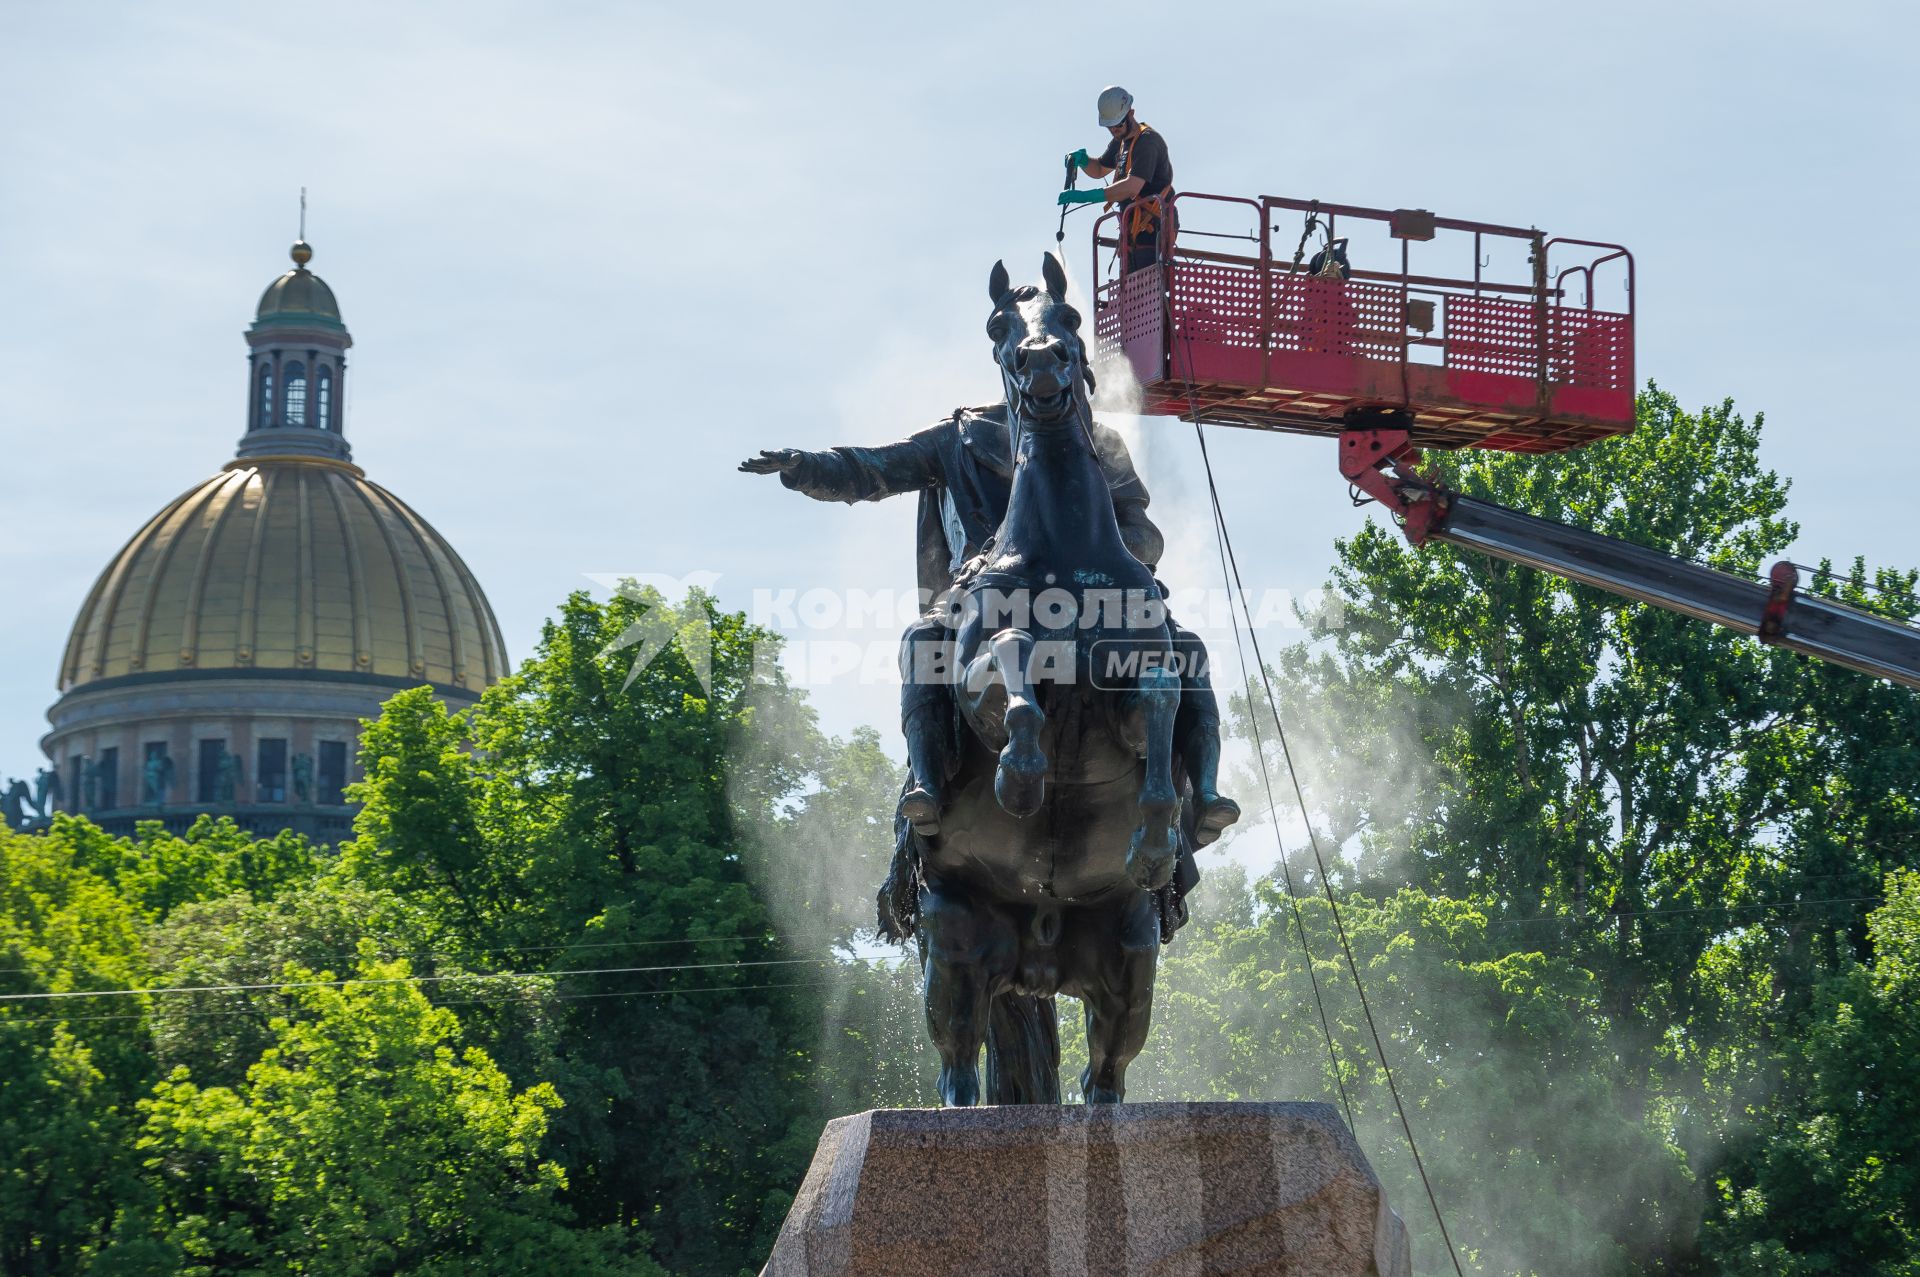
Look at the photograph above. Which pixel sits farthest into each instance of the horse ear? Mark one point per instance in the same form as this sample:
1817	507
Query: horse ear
1055	275
998	283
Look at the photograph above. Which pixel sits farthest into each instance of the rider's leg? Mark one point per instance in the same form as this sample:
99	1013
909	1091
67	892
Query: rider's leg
1196	733
1155	846
926	719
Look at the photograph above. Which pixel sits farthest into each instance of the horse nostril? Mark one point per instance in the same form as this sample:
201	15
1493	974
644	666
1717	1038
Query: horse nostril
1020	357
1059	349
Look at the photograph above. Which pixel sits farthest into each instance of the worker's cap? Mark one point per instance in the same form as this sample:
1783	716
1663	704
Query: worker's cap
1115	102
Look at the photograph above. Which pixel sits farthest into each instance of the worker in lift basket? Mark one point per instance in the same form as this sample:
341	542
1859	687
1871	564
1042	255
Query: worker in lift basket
1142	183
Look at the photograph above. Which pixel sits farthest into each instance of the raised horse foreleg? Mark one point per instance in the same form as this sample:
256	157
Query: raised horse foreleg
1151	856
1020	783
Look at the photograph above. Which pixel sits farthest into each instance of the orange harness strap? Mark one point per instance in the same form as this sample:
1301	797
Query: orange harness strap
1143	211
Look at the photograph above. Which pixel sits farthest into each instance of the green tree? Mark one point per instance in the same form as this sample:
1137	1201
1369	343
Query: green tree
157	871
365	1140
1501	1053
1661	803
1831	1182
594	827
818	860
71	1069
234	942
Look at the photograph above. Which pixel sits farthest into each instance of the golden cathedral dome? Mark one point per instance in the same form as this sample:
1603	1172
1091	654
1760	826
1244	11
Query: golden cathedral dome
224	662
293	564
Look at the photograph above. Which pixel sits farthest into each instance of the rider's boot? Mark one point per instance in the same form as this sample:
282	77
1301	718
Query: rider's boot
926	732
1198	731
1212	812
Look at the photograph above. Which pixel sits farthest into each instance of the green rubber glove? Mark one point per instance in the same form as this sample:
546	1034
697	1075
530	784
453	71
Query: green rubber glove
1081	197
1078	159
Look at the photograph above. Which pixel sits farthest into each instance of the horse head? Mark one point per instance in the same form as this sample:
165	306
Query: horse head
1036	341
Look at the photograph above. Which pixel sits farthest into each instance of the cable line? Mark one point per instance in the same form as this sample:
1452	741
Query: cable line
427	951
454	1002
407	979
1313	840
1286	870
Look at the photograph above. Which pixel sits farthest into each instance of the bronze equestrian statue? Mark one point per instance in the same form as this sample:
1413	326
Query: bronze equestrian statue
1063	738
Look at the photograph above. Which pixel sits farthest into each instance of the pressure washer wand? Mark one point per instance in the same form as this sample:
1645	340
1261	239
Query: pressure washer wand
1073	177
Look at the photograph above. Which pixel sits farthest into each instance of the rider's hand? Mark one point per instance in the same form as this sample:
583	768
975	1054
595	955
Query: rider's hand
1081	197
1078	159
772	461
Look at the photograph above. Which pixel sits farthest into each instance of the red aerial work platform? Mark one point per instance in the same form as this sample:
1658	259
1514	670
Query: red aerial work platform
1522	362
1391	362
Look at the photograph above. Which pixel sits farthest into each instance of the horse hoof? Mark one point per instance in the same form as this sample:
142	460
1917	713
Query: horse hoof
922	811
960	1087
1150	860
1020	789
1021	782
1097	1094
1215	815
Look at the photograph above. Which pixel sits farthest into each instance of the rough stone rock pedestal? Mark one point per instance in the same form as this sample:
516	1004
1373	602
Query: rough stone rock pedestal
1171	1190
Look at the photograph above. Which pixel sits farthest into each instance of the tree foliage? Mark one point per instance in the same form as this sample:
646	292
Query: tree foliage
579	821
1636	904
365	1140
71	1068
1688	826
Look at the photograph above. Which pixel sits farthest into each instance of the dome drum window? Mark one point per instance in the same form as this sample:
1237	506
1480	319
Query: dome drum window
296	413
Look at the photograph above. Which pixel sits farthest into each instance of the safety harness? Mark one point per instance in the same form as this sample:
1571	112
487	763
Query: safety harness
1141	219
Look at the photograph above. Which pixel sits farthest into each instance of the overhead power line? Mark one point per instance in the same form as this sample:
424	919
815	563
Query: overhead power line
429	951
456	1002
407	979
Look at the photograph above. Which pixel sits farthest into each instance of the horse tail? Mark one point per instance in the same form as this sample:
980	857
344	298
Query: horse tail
1023	1050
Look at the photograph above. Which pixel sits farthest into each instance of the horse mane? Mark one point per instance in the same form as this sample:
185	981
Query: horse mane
1017	294
1027	292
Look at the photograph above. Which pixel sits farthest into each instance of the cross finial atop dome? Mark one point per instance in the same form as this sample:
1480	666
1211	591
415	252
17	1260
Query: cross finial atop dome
302	252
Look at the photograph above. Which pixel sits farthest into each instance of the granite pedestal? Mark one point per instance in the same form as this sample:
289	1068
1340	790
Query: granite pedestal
1167	1190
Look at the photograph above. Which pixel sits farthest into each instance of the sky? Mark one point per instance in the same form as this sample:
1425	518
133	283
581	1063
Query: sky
594	254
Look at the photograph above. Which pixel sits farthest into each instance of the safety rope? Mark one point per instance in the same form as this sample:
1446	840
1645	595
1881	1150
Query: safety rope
1238	587
1286	869
1326	883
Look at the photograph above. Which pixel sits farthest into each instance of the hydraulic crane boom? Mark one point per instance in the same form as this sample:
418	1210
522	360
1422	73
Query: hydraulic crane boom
1379	462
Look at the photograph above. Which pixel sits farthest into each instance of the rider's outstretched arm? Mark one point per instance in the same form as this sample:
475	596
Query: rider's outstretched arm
856	474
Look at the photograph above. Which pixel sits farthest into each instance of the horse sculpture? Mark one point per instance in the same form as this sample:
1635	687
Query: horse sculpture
13	805
1048	872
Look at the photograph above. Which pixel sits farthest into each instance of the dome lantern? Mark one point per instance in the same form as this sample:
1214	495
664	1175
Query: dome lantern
296	374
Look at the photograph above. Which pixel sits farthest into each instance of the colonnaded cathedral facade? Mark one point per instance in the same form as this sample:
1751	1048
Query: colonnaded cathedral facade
224	658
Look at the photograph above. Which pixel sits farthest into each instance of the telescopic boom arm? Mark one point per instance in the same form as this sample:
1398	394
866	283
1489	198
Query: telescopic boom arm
1380	463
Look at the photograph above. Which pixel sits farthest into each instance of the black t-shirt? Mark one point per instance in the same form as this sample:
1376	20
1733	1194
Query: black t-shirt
1149	160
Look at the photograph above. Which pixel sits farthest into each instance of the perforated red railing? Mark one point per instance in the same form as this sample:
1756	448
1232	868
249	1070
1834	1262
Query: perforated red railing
1527	365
